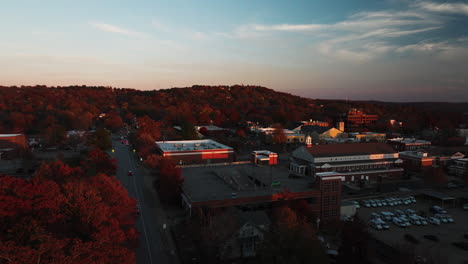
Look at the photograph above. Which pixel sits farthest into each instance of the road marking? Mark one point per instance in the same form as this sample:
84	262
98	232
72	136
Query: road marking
141	213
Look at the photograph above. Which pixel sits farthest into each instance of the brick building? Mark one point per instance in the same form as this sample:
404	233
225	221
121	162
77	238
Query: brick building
195	151
421	160
360	161
357	118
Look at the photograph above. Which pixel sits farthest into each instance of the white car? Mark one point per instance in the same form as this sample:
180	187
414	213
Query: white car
423	220
449	218
441	218
433	220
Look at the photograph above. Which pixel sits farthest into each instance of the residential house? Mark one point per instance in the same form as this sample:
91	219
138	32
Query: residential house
246	239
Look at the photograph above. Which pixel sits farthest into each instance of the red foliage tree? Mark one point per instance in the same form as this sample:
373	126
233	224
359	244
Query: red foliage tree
278	136
99	161
113	122
170	180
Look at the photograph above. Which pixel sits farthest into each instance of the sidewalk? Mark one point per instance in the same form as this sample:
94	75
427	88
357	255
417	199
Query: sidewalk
166	238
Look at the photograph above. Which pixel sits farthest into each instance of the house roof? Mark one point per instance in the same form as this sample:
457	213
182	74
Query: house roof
315	128
349	149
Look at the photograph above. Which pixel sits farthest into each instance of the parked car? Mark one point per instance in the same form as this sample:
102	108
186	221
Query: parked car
387	215
410	212
414	220
438	210
423	220
130	173
432	237
465	207
441	218
411	238
374	215
397	221
433	220
399	213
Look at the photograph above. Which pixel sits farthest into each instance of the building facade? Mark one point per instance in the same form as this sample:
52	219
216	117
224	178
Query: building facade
360	161
405	144
195	151
357	118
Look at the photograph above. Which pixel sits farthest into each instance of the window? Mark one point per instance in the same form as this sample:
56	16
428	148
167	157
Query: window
335	186
326	200
326	187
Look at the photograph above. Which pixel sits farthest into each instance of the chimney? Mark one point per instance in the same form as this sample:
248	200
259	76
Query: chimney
308	141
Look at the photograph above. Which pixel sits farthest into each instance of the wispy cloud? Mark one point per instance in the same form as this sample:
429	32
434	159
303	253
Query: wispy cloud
361	37
450	8
116	29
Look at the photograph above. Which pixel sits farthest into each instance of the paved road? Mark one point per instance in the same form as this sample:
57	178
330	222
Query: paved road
153	247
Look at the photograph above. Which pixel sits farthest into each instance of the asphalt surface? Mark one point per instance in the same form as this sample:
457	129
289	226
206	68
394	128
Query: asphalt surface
153	248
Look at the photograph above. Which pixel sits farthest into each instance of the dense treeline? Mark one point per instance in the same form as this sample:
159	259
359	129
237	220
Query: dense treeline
48	111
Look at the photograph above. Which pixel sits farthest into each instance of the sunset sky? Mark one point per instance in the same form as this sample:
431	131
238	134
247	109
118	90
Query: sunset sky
391	50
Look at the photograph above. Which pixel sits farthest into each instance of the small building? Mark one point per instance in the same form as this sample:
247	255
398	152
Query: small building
459	167
264	157
319	133
360	161
195	151
348	209
404	144
248	236
368	136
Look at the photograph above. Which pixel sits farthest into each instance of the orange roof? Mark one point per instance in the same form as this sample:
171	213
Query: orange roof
349	149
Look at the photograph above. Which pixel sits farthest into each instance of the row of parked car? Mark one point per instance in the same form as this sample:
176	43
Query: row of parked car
406	218
394	201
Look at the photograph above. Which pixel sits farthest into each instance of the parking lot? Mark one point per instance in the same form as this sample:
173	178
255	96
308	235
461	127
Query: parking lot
446	233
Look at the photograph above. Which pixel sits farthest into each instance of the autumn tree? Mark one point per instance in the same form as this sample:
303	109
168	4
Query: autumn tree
99	161
170	180
149	131
188	130
291	240
113	122
278	136
100	139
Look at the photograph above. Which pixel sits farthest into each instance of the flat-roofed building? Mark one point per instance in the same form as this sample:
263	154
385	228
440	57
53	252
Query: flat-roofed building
360	161
404	144
421	160
459	167
258	186
195	151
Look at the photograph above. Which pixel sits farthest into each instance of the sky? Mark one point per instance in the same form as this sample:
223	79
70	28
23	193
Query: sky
388	50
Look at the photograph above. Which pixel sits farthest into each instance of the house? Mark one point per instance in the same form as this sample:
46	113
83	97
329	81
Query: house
319	133
291	135
360	161
243	243
404	144
195	151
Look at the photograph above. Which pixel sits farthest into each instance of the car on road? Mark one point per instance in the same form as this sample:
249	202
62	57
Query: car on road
432	237
130	173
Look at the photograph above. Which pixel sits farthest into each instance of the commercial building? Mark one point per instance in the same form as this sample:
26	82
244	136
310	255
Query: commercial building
195	151
264	157
421	160
404	144
259	186
360	161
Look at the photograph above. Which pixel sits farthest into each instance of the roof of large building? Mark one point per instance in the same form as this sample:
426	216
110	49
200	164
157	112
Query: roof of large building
10	135
409	141
315	128
349	149
190	145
